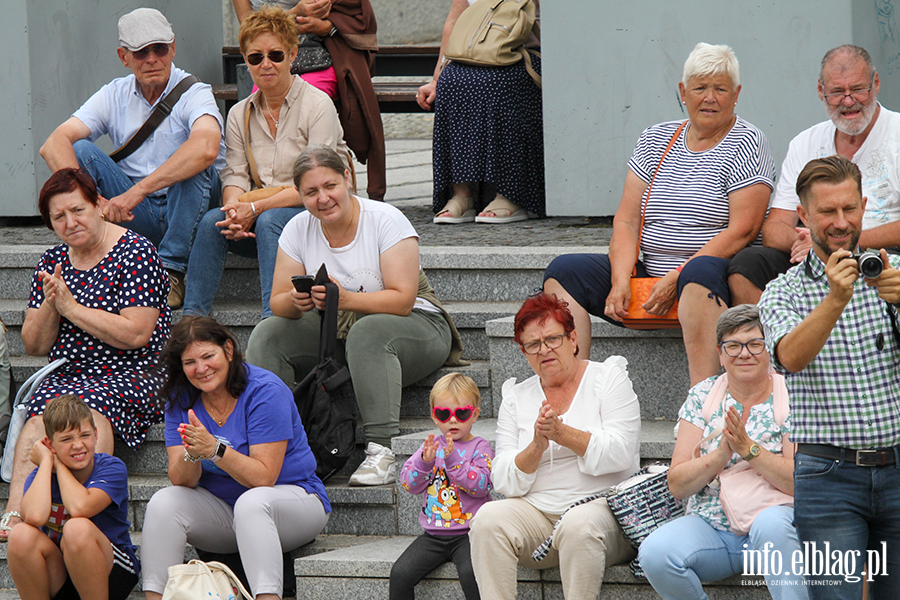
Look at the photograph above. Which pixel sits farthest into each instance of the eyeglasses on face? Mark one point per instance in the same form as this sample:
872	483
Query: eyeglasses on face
553	342
463	413
276	56
160	50
734	348
857	95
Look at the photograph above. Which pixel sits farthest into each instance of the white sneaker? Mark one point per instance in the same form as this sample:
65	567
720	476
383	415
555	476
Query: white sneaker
379	467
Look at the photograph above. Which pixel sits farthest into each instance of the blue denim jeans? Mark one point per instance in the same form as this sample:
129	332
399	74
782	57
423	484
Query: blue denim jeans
682	553
207	260
168	221
852	509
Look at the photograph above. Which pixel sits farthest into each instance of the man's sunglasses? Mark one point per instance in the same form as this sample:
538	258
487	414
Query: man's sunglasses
463	413
160	50
276	56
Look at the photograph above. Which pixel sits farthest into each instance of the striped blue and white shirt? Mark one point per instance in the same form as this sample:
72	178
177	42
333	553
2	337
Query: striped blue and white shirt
690	194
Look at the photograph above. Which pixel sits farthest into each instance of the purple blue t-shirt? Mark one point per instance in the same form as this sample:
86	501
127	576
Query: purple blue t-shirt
264	413
110	476
453	487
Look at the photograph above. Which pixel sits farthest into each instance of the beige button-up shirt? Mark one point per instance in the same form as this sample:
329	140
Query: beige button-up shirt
307	117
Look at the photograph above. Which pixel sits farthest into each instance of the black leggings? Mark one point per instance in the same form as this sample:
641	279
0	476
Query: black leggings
424	555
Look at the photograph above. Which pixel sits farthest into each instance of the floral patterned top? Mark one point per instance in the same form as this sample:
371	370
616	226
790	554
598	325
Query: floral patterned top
761	427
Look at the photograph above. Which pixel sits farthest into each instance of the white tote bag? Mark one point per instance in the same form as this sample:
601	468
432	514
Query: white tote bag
201	580
20	414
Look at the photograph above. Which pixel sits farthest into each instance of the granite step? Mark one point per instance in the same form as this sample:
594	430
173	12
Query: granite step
363	572
457	273
323	543
657	363
241	316
657	445
378	510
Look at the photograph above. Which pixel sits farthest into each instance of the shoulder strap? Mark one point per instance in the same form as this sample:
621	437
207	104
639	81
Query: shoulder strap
650	187
162	110
528	66
713	399
780	404
251	162
328	332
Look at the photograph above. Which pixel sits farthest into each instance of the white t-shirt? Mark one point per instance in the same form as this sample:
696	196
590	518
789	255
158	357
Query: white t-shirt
357	266
604	405
878	159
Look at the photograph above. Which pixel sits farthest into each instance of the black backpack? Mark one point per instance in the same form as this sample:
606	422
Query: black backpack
326	400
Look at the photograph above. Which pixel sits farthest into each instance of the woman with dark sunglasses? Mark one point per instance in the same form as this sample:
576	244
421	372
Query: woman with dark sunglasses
346	29
564	436
264	135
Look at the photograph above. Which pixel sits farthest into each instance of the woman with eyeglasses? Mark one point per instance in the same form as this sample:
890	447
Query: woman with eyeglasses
728	422
564	436
265	134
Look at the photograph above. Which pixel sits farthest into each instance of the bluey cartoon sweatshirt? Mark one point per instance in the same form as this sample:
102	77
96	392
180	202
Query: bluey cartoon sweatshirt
453	487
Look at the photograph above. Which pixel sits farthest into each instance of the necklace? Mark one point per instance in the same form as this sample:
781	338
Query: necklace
333	241
222	415
266	108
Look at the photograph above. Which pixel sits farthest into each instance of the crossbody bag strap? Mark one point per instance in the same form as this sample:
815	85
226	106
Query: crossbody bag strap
251	162
328	331
159	114
647	197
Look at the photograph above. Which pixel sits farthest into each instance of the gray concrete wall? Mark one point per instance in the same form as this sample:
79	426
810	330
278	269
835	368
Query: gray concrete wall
615	69
63	52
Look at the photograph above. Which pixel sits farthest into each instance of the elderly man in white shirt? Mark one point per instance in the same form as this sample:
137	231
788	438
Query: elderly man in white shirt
163	187
859	129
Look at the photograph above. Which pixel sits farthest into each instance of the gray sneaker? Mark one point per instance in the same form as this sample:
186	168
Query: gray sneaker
379	467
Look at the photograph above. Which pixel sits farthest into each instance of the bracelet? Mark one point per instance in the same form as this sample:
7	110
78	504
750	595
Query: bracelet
191	459
333	31
253	208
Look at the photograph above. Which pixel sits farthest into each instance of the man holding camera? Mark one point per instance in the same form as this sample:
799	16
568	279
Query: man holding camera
835	334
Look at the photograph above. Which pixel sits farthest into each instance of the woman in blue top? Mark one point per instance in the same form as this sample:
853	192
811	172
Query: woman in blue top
242	472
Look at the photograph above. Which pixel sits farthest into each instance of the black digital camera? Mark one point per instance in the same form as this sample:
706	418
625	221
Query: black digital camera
869	262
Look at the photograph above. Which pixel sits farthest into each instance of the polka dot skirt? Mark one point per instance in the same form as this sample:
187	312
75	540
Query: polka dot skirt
488	128
120	384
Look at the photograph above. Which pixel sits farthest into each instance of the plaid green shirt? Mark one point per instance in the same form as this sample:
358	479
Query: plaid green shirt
849	395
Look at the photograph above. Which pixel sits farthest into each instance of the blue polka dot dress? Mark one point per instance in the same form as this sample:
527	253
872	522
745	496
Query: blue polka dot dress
489	129
120	384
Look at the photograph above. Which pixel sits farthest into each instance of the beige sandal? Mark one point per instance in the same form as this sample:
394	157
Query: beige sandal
504	212
461	209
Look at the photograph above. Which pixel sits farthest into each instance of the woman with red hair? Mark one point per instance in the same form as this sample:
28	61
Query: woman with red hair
564	436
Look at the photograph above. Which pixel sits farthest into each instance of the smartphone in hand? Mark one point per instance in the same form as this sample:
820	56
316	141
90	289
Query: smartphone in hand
303	283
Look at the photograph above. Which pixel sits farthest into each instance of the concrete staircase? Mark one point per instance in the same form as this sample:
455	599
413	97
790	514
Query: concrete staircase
482	285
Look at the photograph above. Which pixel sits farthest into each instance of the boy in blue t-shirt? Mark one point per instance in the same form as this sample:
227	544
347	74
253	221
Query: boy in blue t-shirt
73	539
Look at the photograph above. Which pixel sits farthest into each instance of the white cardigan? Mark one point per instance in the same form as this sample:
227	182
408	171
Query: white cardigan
605	406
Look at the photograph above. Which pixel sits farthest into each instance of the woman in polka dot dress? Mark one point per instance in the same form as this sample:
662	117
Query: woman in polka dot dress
99	300
488	148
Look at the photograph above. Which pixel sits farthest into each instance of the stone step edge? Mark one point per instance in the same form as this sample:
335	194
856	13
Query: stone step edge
375	559
26	256
237	313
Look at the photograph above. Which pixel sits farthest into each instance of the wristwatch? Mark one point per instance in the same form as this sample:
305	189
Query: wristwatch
220	452
754	452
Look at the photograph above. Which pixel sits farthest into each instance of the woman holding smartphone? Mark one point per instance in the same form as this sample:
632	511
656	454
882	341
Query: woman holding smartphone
393	327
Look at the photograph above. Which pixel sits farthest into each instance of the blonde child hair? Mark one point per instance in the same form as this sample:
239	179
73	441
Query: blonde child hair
457	386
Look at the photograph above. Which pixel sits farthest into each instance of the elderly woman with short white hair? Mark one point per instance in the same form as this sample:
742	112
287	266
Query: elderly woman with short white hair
710	191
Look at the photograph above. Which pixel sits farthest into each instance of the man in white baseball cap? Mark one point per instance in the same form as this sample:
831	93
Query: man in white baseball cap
159	181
